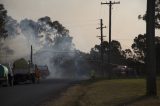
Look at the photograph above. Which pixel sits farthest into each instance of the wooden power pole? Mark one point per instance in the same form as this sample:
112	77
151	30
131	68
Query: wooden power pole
110	31
101	38
31	55
151	55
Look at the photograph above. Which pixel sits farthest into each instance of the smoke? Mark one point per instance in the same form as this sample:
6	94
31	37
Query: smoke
12	27
52	46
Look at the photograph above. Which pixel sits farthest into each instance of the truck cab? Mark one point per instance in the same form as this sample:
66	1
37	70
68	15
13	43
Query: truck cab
23	71
6	74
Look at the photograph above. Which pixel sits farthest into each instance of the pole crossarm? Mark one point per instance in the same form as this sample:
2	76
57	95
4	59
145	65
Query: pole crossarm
111	3
101	27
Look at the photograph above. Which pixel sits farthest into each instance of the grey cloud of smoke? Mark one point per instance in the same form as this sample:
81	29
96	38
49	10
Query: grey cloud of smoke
52	44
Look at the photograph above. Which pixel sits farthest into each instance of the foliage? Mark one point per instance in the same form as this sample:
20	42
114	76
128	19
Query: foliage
12	27
116	54
139	47
3	15
46	21
128	53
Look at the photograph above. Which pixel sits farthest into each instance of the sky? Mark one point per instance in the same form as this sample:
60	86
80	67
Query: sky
82	17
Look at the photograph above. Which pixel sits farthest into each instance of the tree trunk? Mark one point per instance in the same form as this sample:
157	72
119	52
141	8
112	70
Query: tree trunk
151	56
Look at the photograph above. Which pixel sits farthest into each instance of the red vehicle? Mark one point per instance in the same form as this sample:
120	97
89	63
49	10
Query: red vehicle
44	72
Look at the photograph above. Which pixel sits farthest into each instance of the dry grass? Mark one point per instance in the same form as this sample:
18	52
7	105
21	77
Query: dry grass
113	92
124	92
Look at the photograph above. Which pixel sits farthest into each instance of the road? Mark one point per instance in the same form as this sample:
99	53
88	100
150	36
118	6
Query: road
32	94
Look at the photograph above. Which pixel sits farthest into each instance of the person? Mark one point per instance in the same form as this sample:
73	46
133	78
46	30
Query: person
37	74
32	72
10	75
93	74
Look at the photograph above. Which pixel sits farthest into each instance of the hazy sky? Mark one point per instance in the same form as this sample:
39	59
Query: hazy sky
81	17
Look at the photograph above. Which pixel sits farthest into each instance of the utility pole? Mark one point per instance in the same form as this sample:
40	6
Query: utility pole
110	3
101	38
31	55
151	55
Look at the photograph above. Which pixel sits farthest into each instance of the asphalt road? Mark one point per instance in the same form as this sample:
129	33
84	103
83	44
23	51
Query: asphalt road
32	94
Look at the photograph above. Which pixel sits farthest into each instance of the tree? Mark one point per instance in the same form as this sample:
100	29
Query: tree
116	51
140	51
128	53
12	27
55	24
116	48
3	15
47	33
139	47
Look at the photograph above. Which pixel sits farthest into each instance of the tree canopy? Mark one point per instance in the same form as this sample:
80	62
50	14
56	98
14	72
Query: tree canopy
116	51
3	15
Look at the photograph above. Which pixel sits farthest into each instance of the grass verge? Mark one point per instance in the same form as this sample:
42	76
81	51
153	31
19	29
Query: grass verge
119	92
